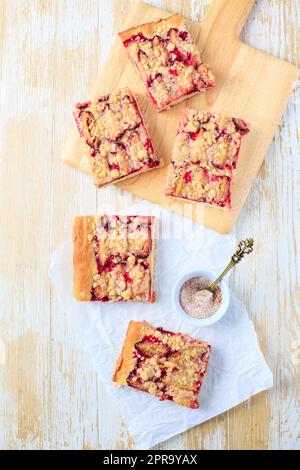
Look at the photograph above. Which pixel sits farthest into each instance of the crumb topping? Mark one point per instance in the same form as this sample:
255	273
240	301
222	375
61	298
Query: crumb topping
169	365
114	129
204	156
167	61
197	184
122	246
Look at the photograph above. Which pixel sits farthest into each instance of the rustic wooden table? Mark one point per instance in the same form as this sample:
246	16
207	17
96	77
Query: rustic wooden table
51	51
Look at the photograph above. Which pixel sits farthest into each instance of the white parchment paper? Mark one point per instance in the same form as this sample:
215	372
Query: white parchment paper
237	369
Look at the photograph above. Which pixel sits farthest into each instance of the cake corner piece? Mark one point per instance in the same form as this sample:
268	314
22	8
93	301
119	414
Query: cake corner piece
113	258
116	135
204	158
168	365
167	61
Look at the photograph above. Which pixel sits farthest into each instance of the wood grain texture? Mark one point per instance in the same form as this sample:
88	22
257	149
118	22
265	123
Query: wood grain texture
242	75
50	53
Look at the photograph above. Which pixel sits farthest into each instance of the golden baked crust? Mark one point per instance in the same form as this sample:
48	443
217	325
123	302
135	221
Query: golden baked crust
166	364
204	157
114	258
167	61
114	131
85	266
125	363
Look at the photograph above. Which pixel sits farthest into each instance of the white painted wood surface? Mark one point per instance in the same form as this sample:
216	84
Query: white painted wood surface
51	52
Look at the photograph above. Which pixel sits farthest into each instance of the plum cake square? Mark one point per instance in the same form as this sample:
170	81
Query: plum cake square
166	364
114	258
113	128
167	61
205	154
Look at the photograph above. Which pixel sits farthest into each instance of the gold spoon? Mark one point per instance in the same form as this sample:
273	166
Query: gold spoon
245	247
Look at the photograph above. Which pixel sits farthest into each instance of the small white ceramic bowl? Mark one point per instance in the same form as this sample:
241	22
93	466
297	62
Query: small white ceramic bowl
200	321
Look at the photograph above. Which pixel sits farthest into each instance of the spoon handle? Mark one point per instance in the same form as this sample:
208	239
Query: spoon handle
245	247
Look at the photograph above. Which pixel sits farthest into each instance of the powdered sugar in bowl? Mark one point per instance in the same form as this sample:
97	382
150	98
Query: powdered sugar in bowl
198	306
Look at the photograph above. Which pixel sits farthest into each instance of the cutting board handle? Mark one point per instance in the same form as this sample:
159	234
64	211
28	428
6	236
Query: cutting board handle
229	16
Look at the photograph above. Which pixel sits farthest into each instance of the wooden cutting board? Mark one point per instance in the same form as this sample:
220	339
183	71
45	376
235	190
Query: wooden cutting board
251	84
